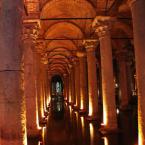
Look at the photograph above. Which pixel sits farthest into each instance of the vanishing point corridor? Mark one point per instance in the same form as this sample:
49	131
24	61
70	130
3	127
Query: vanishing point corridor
72	72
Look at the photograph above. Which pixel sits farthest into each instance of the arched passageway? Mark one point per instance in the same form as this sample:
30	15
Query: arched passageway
72	72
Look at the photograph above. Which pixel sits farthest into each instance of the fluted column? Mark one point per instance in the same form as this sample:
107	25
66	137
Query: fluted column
138	11
83	81
103	25
90	46
12	100
29	80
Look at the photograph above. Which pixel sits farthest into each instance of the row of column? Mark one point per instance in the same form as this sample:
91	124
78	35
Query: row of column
12	102
24	91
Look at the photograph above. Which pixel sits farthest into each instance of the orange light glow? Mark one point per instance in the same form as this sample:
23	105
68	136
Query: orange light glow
81	104
83	124
37	116
106	141
140	129
105	118
91	133
90	108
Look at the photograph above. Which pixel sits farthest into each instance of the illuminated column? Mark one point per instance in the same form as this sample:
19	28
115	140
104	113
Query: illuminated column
83	81
103	25
90	46
77	84
65	86
49	87
123	79
43	97
29	80
72	86
12	100
138	11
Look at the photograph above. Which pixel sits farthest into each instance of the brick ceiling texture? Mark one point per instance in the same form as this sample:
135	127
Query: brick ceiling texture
65	23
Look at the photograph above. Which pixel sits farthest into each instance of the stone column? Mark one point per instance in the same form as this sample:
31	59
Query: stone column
29	79
77	84
65	86
90	46
138	11
123	80
49	88
73	85
12	100
70	88
103	25
83	81
41	61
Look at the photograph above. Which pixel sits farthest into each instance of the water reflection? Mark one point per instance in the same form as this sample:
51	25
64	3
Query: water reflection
106	141
91	134
69	128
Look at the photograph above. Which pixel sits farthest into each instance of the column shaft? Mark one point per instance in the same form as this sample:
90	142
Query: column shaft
83	83
12	100
108	86
29	90
138	11
77	84
92	82
123	81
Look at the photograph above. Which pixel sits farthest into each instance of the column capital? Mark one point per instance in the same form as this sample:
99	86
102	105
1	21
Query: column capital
44	58
65	75
103	24
131	2
40	47
81	54
30	31
90	44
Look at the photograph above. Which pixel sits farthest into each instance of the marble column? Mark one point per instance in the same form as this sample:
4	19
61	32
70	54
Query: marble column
12	100
65	86
103	25
138	11
77	84
83	81
90	46
29	80
123	80
72	86
49	89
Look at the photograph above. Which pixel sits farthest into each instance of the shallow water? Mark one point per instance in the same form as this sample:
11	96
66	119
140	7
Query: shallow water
68	128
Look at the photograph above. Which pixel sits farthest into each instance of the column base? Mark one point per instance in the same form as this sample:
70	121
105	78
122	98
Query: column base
82	112
43	122
76	108
46	114
34	134
105	130
92	118
125	108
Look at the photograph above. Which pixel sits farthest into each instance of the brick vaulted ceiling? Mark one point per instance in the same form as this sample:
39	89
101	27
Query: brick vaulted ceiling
65	23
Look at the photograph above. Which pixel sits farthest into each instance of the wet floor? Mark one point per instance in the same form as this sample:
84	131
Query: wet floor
68	128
